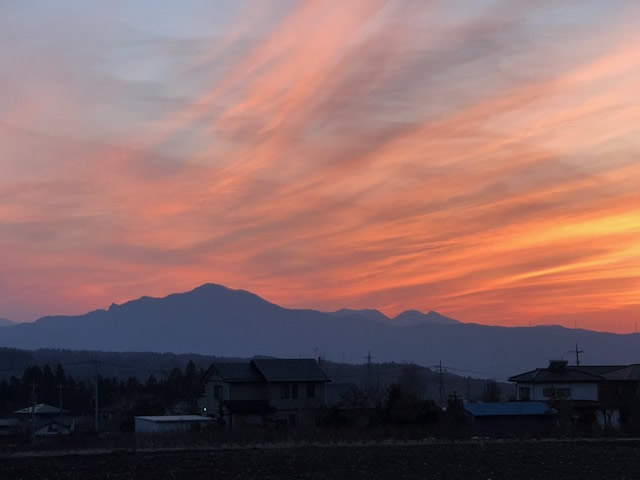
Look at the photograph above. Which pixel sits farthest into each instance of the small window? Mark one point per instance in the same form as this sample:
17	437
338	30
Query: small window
292	419
524	393
217	392
311	390
294	390
284	391
563	393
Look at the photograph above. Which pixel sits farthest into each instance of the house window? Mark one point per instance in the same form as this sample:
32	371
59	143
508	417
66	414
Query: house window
563	393
284	391
311	390
217	392
524	393
292	419
294	390
549	392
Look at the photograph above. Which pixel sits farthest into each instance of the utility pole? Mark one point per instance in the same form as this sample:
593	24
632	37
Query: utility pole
33	411
369	357
96	395
441	386
577	352
60	402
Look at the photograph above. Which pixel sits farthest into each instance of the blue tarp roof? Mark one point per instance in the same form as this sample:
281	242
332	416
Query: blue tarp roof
508	408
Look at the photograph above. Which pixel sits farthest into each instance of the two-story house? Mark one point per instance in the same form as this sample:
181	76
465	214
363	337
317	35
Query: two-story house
283	391
612	392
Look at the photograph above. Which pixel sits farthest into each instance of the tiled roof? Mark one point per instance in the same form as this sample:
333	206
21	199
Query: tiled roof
631	372
508	409
583	373
290	370
238	372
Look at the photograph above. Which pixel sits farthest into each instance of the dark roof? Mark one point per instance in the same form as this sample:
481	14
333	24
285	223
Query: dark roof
508	409
173	418
237	372
248	407
290	370
582	373
570	374
630	372
42	409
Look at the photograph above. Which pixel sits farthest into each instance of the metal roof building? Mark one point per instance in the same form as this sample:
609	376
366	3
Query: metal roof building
499	409
169	423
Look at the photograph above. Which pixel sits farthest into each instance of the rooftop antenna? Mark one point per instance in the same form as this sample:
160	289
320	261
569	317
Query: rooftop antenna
577	352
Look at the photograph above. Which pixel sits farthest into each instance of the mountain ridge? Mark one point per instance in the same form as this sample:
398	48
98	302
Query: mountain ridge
216	320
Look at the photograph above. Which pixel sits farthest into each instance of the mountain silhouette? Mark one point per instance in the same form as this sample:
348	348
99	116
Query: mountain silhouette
216	320
4	322
414	317
368	313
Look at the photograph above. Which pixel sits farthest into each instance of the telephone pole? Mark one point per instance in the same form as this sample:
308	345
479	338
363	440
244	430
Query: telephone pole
60	402
96	395
441	386
577	352
33	411
369	358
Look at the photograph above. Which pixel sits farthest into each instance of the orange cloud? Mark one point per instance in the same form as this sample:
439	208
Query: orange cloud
344	159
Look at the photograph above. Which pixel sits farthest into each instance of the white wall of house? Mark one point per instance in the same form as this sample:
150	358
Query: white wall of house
303	400
577	391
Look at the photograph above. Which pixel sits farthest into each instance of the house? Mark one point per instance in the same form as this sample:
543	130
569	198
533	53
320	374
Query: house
45	427
511	417
12	426
280	391
608	392
41	410
45	420
169	423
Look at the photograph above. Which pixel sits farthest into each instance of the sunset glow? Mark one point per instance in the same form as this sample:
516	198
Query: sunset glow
480	159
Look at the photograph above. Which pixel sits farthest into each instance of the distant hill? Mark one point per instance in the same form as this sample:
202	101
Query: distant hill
6	323
414	317
369	314
215	320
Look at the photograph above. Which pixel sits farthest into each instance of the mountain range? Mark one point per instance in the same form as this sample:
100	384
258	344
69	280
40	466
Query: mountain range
5	322
215	320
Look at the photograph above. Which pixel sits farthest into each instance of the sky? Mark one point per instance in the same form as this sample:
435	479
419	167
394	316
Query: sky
477	158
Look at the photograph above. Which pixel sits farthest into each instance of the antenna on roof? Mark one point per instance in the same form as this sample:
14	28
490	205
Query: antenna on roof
577	352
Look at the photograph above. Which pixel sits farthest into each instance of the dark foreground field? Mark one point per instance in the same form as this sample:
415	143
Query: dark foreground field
513	460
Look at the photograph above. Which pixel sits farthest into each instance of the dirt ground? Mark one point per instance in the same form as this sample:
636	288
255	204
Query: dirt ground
617	460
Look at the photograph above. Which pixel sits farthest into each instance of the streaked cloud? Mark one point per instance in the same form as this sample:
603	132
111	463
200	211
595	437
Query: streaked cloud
480	160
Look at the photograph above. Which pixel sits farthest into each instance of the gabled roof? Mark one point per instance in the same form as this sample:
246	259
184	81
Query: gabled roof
508	409
630	372
236	372
42	409
582	373
544	375
290	370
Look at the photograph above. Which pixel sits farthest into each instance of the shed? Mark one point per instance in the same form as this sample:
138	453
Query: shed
501	418
169	423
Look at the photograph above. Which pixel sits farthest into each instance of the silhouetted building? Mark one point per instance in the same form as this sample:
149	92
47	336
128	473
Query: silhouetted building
492	418
282	391
169	423
609	392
